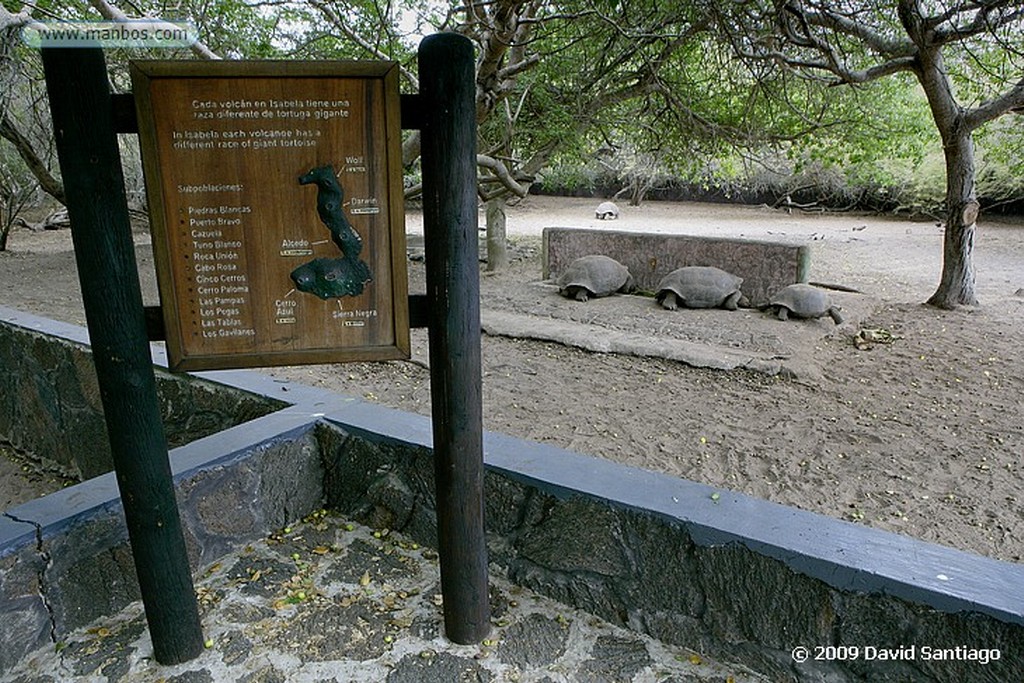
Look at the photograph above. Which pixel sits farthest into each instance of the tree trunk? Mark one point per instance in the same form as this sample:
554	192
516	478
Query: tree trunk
957	284
497	244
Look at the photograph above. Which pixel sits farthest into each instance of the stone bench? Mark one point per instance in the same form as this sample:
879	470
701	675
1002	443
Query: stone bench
764	266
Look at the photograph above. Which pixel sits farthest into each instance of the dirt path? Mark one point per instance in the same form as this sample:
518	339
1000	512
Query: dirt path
921	436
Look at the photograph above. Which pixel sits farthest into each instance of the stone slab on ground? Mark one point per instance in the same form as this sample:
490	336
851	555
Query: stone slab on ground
581	335
747	339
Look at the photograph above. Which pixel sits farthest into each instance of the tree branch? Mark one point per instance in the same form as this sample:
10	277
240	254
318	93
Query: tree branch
340	24
844	75
501	35
9	21
501	172
982	23
107	11
47	182
878	71
528	62
834	21
1012	100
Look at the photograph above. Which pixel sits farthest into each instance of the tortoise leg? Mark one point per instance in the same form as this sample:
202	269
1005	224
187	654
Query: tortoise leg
836	317
783	313
582	294
731	302
669	303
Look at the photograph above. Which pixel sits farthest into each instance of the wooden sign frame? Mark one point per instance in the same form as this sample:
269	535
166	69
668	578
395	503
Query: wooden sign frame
277	210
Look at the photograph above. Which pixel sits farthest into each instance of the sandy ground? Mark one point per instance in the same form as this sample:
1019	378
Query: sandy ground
921	436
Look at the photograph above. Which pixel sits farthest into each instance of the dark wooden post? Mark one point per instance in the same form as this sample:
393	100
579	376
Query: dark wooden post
90	163
448	125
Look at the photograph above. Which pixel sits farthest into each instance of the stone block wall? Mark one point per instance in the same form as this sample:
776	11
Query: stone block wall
727	574
668	575
591	536
50	406
764	266
65	560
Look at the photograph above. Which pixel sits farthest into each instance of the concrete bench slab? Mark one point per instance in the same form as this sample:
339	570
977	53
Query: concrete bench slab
764	266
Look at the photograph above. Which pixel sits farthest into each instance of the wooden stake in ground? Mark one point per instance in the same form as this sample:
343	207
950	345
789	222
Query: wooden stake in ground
447	91
90	164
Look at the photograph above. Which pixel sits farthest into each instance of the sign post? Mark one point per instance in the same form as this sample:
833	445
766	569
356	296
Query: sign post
275	196
448	116
90	163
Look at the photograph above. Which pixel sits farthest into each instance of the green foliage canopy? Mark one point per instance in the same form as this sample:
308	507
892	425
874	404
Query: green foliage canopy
638	87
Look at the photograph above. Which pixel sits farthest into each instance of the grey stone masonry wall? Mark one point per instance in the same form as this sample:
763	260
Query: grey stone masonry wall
65	559
50	405
709	569
734	576
764	266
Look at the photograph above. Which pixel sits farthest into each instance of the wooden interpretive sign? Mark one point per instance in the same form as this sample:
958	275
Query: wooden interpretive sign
276	202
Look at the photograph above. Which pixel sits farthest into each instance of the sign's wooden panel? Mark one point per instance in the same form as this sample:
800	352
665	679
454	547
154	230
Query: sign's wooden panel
275	194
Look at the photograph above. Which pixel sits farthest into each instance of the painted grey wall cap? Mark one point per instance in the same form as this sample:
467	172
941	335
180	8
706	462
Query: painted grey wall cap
28	321
15	534
246	380
55	513
846	556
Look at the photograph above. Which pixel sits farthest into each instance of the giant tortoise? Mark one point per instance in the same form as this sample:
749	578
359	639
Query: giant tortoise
607	211
804	301
594	276
700	287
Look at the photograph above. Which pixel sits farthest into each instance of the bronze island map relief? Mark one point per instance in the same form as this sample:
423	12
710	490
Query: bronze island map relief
333	277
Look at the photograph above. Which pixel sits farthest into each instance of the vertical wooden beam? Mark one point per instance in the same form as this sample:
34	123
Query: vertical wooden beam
448	125
90	163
